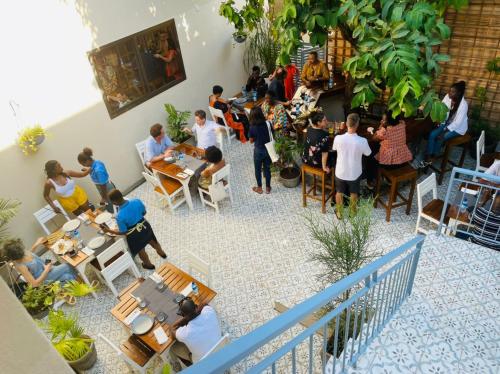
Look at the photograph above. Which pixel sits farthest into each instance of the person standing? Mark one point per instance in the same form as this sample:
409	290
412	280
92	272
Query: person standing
131	222
158	145
316	144
98	174
455	124
205	130
260	133
350	149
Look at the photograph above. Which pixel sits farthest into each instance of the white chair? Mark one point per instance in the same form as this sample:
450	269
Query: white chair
432	210
136	355
221	343
167	190
217	113
111	264
217	177
480	152
141	149
47	214
201	267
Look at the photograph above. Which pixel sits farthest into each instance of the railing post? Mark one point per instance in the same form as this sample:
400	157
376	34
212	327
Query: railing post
414	264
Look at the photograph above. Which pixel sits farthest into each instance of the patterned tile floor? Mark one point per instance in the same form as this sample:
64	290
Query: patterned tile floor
259	250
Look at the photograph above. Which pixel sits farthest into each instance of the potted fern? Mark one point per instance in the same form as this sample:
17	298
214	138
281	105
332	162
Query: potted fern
176	119
68	339
30	138
288	150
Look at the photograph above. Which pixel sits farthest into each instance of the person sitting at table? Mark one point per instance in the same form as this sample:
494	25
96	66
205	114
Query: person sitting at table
72	197
196	333
256	82
99	176
455	124
205	130
215	162
275	112
238	122
393	152
33	269
350	149
315	73
138	231
259	136
277	85
316	144
158	145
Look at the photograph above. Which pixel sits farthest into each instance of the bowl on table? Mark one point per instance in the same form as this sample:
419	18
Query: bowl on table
141	324
71	225
102	218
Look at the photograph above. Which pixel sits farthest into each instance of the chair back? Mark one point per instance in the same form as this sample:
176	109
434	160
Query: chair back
46	214
141	150
199	266
480	149
111	251
220	344
217	113
423	188
221	174
151	179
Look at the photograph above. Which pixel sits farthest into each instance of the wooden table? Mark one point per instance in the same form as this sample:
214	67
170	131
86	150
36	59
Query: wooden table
171	170
80	260
176	280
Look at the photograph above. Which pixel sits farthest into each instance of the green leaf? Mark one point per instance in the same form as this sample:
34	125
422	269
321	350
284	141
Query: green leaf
344	8
357	100
386	8
382	47
438	111
444	30
310	23
441	57
332	19
322	38
397	13
387	59
399	34
357	31
320	20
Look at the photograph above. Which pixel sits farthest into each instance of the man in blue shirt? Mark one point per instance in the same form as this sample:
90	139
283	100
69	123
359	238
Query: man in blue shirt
158	145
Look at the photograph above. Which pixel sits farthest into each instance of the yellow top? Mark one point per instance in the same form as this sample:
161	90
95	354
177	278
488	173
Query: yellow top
311	72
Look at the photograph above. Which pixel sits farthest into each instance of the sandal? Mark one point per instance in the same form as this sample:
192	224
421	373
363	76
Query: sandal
268	190
148	267
257	189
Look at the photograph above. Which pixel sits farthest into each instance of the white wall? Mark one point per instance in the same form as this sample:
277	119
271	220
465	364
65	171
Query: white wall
48	74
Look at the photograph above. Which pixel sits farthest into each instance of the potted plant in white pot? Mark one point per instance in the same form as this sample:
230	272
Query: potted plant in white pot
288	150
68	339
342	248
30	138
176	120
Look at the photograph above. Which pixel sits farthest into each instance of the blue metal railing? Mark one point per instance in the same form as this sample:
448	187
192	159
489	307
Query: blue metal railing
468	210
376	292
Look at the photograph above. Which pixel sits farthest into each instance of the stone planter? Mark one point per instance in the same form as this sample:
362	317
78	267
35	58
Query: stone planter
290	177
87	361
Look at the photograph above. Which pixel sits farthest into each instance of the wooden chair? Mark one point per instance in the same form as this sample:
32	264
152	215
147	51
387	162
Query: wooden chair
201	267
394	177
216	114
221	176
134	353
432	210
47	214
141	149
166	189
311	193
461	141
114	261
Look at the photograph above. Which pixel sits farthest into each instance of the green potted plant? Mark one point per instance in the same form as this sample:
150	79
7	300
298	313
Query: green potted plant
262	48
30	138
176	120
342	249
8	209
68	339
288	150
38	300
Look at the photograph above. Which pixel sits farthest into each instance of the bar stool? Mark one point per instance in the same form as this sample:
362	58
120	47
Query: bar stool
394	177
462	141
311	193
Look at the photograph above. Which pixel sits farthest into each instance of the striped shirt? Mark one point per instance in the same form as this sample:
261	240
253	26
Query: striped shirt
486	231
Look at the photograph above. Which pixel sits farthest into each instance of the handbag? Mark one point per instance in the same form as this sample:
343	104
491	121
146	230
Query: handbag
271	150
217	191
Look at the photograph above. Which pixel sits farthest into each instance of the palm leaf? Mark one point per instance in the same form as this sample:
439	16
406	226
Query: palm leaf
77	289
8	209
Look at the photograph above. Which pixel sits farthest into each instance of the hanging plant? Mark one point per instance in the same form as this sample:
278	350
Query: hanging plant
30	138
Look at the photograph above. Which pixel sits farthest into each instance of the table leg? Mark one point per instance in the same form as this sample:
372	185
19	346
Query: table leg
187	193
81	270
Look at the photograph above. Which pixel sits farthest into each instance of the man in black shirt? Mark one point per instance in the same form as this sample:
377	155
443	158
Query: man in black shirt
256	82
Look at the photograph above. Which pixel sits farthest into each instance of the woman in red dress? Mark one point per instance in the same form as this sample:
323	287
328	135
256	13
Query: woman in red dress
170	56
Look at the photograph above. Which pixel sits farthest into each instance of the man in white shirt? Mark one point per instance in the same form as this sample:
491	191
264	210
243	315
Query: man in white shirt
350	149
197	332
205	130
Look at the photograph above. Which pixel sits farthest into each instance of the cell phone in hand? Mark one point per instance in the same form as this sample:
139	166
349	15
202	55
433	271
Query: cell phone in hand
48	261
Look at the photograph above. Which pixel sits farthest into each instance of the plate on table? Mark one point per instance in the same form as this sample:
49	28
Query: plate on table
62	246
103	217
71	225
96	242
141	324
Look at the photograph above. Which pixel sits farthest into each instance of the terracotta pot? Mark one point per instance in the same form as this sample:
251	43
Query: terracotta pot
87	360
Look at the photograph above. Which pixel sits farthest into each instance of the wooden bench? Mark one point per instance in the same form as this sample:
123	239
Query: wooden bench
461	141
311	193
137	351
394	177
